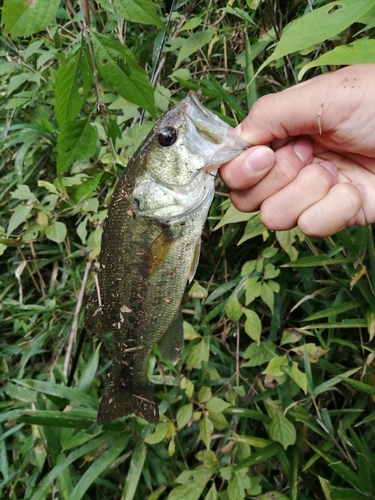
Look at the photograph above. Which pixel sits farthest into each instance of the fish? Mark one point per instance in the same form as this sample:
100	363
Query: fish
150	249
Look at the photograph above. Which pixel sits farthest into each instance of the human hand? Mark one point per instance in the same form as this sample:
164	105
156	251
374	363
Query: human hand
314	165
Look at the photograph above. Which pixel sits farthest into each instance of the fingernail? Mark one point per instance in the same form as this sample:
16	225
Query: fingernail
360	187
303	150
259	159
237	130
331	167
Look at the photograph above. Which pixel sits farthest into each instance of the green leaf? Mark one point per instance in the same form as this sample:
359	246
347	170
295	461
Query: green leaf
68	99
282	430
194	43
159	434
267	295
286	240
259	354
99	465
238	483
197	355
135	471
260	456
119	68
275	366
77	141
23	18
192	483
253	326
19	216
206	429
217	405
254	227
88	374
139	11
319	25
204	394
299	377
334	310
318	260
233	309
232	215
184	415
104	440
56	232
357	52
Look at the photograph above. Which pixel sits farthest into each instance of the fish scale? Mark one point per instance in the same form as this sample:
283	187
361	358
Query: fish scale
149	251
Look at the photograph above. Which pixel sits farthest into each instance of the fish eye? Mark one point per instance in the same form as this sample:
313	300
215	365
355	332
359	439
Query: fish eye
167	136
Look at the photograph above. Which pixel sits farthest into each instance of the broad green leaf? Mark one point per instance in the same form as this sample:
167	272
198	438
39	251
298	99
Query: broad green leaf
139	11
206	429
253	289
238	484
267	295
184	415
357	52
219	421
232	215
23	18
282	430
68	98
275	366
192	483
135	471
290	337
298	377
56	232
286	240
259	354
197	355
233	309
204	394
77	141
119	68
99	465
314	351
319	25
159	433
217	405
20	215
253	228
253	325
23	193
194	43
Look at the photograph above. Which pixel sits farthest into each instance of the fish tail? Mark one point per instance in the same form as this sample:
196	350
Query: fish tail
119	400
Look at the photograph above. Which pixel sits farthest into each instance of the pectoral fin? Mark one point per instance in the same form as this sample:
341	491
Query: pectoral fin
195	261
159	251
171	343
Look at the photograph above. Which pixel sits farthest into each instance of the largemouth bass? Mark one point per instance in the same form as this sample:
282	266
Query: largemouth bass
150	249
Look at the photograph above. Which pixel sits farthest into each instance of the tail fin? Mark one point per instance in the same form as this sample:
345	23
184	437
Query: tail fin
119	400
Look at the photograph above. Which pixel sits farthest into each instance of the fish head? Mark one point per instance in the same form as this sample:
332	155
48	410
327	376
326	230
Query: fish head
180	161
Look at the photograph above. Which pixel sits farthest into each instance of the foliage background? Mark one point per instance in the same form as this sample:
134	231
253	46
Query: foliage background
273	397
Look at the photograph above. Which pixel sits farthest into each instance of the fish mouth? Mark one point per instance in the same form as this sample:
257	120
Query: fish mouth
209	136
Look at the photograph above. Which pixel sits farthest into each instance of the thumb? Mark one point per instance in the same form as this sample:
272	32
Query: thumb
310	108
